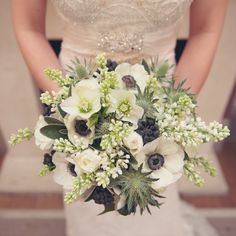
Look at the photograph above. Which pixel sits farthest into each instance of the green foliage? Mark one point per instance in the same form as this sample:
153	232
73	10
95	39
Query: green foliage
146	101
52	121
62	113
80	71
54	131
136	186
175	90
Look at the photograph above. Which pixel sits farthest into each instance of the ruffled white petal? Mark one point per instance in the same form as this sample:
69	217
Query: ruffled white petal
165	178
167	147
174	163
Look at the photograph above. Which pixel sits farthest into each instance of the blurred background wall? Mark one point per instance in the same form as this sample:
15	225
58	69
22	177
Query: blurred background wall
38	200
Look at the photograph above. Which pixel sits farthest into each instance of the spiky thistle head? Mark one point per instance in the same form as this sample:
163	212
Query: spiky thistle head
146	100
136	186
80	71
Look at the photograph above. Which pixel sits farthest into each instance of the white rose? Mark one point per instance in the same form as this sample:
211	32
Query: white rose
42	141
87	161
134	143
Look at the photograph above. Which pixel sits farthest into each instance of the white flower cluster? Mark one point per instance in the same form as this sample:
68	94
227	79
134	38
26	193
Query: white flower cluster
127	123
178	122
65	146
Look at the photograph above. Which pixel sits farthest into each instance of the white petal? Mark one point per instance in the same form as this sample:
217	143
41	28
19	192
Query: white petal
165	178
70	105
123	69
91	83
43	142
135	115
167	147
140	75
141	158
61	174
150	148
174	163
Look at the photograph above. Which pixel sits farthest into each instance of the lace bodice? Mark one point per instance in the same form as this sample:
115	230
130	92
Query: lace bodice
123	28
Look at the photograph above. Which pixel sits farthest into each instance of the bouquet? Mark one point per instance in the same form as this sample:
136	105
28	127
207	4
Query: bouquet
120	134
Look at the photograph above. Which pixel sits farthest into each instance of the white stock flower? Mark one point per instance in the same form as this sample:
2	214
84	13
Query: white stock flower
78	131
43	142
136	72
86	161
61	175
85	99
124	104
165	158
133	142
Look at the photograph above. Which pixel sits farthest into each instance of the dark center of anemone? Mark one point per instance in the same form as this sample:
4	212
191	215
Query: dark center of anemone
129	81
71	169
156	161
81	128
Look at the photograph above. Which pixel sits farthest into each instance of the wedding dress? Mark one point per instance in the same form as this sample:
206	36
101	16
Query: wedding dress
126	30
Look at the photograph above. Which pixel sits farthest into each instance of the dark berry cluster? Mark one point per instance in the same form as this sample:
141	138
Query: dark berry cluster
102	196
47	110
111	65
48	161
148	129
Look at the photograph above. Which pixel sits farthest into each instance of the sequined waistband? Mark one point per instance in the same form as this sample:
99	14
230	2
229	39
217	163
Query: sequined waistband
121	46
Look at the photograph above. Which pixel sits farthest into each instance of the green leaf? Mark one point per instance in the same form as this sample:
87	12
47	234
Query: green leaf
52	121
162	70
62	113
93	120
54	131
186	156
81	71
108	208
146	67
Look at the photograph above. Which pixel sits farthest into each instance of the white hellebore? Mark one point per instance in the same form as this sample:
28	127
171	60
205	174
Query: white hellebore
86	161
130	75
78	131
43	142
84	100
124	104
134	142
62	175
165	158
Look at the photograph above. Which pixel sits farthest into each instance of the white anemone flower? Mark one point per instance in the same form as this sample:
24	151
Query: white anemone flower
84	100
134	142
43	142
86	161
78	131
124	104
129	75
165	158
62	175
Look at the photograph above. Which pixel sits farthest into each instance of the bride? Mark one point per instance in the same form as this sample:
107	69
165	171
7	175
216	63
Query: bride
126	30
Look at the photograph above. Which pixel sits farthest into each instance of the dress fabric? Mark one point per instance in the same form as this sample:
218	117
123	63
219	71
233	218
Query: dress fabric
126	30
